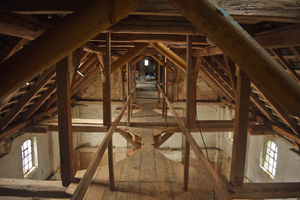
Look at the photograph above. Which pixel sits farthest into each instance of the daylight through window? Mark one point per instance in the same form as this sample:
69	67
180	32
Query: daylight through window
27	156
270	160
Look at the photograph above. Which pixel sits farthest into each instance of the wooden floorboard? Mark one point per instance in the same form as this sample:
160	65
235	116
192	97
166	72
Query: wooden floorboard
147	174
163	191
164	171
148	191
131	168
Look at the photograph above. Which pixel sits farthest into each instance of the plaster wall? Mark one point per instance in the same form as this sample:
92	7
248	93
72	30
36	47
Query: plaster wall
94	110
11	164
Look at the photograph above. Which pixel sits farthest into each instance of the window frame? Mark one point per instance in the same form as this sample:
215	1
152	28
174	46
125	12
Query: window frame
269	157
34	161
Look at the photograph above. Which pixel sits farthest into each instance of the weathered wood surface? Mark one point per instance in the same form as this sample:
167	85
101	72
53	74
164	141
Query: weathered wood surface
32	188
275	9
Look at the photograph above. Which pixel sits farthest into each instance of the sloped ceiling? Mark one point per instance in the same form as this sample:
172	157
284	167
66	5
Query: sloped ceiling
273	24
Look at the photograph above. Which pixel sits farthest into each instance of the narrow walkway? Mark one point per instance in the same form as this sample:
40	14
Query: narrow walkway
147	174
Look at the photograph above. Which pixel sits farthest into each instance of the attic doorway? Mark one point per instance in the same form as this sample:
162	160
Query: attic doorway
146	78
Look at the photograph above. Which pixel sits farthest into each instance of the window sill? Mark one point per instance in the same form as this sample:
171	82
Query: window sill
269	173
30	173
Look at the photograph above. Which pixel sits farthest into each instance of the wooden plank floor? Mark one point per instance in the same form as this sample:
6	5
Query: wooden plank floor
147	174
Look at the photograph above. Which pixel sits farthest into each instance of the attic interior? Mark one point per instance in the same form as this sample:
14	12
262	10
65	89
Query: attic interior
149	99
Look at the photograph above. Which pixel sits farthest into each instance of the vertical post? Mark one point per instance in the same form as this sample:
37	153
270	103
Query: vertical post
64	120
167	79
128	92
158	83
189	91
240	129
130	76
107	108
134	76
163	88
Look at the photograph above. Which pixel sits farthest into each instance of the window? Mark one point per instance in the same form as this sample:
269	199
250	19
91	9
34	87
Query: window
29	157
146	62
269	160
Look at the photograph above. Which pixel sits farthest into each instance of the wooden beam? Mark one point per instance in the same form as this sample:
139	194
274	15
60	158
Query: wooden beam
107	109
228	93
161	48
220	62
158	83
216	84
143	38
274	12
64	120
166	89
26	98
260	130
215	180
163	87
190	104
84	80
128	89
164	138
243	50
230	66
219	72
26	115
88	176
137	59
59	41
175	85
267	191
281	59
279	38
239	146
32	188
289	120
13	45
128	137
155	57
209	51
263	109
295	51
134	83
128	56
22	26
77	57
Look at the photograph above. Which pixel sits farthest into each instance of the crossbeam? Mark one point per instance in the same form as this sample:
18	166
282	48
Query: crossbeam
32	188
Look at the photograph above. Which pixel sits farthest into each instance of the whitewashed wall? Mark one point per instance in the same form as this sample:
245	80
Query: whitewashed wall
11	164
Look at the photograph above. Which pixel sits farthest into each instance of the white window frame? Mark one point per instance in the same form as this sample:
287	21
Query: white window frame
29	157
269	157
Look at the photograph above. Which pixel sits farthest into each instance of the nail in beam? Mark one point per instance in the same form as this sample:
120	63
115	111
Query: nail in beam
220	28
59	41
